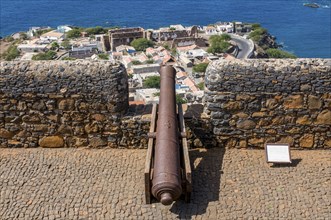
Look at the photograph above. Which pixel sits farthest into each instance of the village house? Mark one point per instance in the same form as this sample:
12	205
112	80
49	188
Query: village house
211	30
124	36
147	95
28	48
189	82
125	49
116	56
33	46
63	28
241	28
224	27
147	68
52	36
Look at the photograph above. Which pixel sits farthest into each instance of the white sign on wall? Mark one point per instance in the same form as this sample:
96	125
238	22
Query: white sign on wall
278	153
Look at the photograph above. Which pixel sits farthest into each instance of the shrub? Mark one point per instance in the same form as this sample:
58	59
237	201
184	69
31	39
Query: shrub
103	56
201	86
23	36
11	53
95	30
136	62
180	100
142	44
257	34
152	82
200	68
74	33
68	58
219	43
54	46
276	53
49	55
66	44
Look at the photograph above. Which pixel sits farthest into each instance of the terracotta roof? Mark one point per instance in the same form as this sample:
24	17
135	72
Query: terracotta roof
140	102
181	74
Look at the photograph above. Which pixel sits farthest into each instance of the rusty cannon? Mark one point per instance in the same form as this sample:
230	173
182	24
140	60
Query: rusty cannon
167	168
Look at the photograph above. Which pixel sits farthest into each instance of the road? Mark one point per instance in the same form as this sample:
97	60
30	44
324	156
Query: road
246	47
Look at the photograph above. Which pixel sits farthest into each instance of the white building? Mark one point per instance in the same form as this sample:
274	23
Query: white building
225	27
149	96
63	28
147	68
211	30
52	35
30	48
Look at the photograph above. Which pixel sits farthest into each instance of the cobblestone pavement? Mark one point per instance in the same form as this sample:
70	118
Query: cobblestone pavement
108	184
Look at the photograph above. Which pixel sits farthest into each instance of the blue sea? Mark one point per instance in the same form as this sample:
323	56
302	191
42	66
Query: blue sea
302	30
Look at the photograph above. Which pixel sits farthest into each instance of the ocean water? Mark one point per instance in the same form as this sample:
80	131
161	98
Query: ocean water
302	30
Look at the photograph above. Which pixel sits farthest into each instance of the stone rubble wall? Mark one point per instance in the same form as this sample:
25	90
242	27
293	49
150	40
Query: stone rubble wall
253	102
62	103
85	104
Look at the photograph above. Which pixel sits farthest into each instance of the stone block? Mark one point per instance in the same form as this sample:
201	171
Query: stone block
67	104
293	102
307	141
51	142
6	134
97	142
246	124
324	118
314	102
304	120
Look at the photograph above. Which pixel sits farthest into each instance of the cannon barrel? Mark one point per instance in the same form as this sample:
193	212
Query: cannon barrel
166	180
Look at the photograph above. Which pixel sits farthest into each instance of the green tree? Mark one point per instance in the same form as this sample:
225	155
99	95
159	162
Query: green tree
54	46
9	39
49	55
66	44
219	43
277	53
150	61
201	86
136	62
180	100
95	30
257	34
11	53
142	44
200	68
103	56
152	82
74	33
255	26
23	36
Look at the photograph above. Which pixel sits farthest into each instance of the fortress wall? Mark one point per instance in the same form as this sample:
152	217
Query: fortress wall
85	103
61	103
250	102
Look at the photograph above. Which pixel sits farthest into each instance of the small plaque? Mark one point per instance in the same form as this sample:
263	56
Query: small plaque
278	153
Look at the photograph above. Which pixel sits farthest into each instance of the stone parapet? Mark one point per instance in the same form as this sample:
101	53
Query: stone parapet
251	102
61	103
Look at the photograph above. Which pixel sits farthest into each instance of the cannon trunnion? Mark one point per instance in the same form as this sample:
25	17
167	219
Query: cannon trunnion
167	168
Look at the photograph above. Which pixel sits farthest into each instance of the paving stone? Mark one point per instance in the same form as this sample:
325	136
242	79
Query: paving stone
108	184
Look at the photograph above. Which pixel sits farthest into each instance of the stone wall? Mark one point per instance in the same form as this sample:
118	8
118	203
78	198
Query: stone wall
85	103
62	103
251	102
